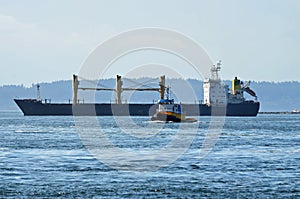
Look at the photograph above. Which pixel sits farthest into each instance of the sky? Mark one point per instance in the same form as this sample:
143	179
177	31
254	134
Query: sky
44	41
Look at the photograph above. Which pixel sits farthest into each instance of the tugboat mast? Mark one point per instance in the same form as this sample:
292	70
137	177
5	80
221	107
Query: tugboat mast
168	92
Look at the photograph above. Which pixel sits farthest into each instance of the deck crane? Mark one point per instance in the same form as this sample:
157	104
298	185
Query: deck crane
119	89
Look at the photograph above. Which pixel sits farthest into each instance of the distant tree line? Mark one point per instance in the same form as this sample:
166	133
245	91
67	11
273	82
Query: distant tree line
274	96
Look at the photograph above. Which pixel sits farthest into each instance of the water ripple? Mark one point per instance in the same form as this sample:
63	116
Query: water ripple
253	158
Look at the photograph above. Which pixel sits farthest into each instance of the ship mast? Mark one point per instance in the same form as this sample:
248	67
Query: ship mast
118	90
162	85
215	71
38	97
75	84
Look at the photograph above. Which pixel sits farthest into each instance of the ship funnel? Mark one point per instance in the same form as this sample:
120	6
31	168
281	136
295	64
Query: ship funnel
236	85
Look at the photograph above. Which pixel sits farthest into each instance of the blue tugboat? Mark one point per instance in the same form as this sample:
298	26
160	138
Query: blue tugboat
168	111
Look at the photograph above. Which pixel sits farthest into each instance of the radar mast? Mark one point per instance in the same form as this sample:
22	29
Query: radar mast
214	75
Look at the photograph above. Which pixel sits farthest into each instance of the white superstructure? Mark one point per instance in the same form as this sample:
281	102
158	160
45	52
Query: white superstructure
214	90
216	93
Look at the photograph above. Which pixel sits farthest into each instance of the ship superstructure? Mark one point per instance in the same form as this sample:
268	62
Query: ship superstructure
219	94
214	90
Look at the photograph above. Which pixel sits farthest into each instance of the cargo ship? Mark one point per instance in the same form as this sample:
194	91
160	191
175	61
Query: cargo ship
218	100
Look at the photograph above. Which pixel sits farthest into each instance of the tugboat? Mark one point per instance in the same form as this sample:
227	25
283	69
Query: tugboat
168	111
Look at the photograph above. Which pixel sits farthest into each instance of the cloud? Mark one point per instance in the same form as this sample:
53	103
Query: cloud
26	47
16	35
8	24
19	36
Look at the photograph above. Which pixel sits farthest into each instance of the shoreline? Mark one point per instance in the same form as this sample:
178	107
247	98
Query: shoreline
278	112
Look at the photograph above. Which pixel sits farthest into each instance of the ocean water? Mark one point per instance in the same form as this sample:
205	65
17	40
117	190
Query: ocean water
253	157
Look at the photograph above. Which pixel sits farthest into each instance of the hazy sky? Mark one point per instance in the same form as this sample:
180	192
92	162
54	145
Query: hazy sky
43	41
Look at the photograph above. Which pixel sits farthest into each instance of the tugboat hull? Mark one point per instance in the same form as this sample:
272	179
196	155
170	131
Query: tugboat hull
165	118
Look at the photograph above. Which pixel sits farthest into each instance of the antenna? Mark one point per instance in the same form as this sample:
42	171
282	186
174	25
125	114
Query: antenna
168	92
215	71
219	65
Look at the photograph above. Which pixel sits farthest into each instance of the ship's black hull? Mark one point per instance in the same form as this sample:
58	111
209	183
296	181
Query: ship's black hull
34	107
